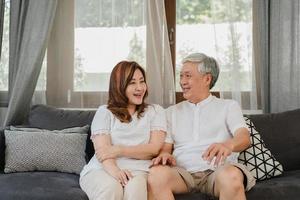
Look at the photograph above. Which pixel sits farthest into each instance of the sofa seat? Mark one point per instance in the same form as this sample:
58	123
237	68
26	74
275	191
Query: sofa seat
40	186
286	186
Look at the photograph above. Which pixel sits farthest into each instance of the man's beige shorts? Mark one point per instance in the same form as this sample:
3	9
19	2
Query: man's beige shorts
204	181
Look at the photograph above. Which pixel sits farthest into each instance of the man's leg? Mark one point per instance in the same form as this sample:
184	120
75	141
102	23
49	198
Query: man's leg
229	183
163	181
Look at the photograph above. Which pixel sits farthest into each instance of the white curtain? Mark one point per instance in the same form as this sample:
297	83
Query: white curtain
159	62
151	30
235	58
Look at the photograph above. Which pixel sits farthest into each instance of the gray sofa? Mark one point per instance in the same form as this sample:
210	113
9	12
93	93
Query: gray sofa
281	133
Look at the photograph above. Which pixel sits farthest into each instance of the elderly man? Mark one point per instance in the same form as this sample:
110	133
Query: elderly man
205	134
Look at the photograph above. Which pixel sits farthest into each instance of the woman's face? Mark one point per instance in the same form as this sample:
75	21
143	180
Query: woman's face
136	88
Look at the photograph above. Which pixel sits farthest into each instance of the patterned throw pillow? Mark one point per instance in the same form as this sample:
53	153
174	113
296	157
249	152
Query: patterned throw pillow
258	159
31	149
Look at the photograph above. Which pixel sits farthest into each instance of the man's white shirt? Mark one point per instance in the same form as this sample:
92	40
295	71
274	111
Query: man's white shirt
192	128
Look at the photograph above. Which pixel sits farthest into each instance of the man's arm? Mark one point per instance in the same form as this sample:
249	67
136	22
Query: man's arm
238	143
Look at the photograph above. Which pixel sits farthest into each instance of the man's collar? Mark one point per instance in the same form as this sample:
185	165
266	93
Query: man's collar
203	102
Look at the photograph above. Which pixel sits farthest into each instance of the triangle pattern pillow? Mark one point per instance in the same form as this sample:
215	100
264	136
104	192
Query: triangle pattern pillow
258	158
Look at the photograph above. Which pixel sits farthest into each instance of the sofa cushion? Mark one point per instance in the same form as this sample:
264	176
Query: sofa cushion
281	134
40	185
32	149
286	186
258	158
48	117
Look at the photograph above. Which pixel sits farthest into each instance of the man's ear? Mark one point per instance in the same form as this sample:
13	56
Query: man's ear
208	79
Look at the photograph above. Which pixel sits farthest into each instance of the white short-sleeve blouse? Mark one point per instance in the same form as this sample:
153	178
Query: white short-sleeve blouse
133	133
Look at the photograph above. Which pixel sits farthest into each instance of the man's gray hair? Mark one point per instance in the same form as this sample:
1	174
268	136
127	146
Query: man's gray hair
206	65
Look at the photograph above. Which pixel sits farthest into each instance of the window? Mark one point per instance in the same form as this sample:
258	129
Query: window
5	50
219	28
4	56
90	36
106	31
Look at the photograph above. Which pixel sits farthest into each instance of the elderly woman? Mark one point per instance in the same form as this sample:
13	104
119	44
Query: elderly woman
127	133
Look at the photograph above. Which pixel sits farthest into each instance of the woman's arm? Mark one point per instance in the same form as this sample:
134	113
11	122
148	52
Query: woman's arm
102	141
165	156
145	151
141	151
110	165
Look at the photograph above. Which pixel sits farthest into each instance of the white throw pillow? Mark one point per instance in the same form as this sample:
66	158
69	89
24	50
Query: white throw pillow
258	158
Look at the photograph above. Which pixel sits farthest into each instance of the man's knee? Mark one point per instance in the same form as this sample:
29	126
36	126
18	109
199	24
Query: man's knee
231	178
159	176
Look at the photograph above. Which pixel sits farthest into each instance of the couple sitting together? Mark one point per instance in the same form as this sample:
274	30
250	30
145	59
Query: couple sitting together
145	152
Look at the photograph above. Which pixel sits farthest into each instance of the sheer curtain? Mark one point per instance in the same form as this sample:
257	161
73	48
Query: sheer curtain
90	37
160	74
223	30
238	59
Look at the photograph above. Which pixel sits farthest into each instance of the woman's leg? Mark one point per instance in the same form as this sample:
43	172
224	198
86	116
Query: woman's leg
136	188
99	185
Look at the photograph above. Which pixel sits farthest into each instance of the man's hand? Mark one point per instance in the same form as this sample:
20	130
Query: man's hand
164	159
219	151
108	152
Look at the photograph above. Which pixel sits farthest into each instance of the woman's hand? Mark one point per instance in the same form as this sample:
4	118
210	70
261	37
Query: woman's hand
123	176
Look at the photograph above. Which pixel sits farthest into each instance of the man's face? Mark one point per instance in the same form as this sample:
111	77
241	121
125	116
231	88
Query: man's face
193	83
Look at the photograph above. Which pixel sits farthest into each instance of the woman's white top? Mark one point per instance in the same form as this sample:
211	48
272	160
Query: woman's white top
133	133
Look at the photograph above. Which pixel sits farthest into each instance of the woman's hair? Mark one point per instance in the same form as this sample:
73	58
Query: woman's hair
120	77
